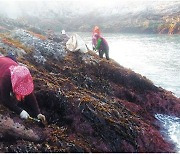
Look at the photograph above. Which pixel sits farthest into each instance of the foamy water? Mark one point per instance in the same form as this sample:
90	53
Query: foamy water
171	125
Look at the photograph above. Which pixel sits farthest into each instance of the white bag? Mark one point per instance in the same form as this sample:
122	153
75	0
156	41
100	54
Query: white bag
75	43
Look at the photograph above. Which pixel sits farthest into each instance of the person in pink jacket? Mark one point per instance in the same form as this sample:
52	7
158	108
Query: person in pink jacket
96	30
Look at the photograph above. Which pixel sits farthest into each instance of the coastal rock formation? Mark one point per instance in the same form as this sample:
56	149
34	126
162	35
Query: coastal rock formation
9	128
91	104
123	17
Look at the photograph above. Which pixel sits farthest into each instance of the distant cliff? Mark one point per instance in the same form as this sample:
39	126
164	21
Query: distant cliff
161	17
91	104
125	17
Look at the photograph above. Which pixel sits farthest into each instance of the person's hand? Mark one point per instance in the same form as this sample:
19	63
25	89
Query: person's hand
24	115
42	118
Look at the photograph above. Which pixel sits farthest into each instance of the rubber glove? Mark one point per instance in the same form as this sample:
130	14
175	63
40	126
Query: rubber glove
41	117
24	115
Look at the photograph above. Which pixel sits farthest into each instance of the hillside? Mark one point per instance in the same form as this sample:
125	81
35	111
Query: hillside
91	104
161	17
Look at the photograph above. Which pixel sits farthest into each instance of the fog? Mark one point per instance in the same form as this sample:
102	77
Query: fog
82	15
47	8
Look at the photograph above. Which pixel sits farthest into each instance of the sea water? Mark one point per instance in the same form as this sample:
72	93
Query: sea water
155	56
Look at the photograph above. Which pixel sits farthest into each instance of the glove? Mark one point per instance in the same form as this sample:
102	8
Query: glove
41	117
24	115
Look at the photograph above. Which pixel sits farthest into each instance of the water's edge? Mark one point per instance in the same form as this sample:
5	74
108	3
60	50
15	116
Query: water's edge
157	58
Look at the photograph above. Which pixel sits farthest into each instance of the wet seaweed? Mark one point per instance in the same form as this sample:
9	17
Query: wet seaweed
91	105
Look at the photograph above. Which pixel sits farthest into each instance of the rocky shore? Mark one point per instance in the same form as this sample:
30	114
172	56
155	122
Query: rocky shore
91	104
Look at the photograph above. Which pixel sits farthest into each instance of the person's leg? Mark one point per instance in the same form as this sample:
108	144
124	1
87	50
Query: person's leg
101	53
107	54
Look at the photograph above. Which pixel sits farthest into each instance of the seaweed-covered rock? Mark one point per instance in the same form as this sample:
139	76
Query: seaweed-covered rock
91	104
102	106
9	128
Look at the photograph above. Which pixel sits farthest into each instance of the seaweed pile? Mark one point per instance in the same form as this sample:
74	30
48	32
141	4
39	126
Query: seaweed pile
91	104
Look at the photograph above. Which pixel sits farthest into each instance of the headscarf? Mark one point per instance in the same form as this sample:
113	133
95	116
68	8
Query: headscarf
94	39
22	82
96	30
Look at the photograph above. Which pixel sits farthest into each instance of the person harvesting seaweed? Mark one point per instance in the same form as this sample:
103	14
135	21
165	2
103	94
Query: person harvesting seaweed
102	46
16	89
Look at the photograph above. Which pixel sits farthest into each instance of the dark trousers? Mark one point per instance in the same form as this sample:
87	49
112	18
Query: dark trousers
102	52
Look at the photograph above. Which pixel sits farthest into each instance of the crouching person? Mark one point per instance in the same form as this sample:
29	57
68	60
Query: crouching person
16	89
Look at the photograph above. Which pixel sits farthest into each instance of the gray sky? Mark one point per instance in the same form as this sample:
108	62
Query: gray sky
15	8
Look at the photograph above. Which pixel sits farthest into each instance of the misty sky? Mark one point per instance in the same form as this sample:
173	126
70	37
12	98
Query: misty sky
16	8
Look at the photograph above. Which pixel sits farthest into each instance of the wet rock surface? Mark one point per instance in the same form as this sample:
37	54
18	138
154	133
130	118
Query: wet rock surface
91	104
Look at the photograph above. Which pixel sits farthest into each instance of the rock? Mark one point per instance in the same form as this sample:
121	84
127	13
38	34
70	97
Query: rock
8	45
111	107
8	128
91	104
45	48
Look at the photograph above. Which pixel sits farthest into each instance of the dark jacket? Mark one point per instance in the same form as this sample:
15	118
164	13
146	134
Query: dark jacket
102	44
6	89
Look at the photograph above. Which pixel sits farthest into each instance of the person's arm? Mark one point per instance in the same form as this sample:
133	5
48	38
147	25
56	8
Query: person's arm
33	104
31	100
98	43
94	42
7	100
